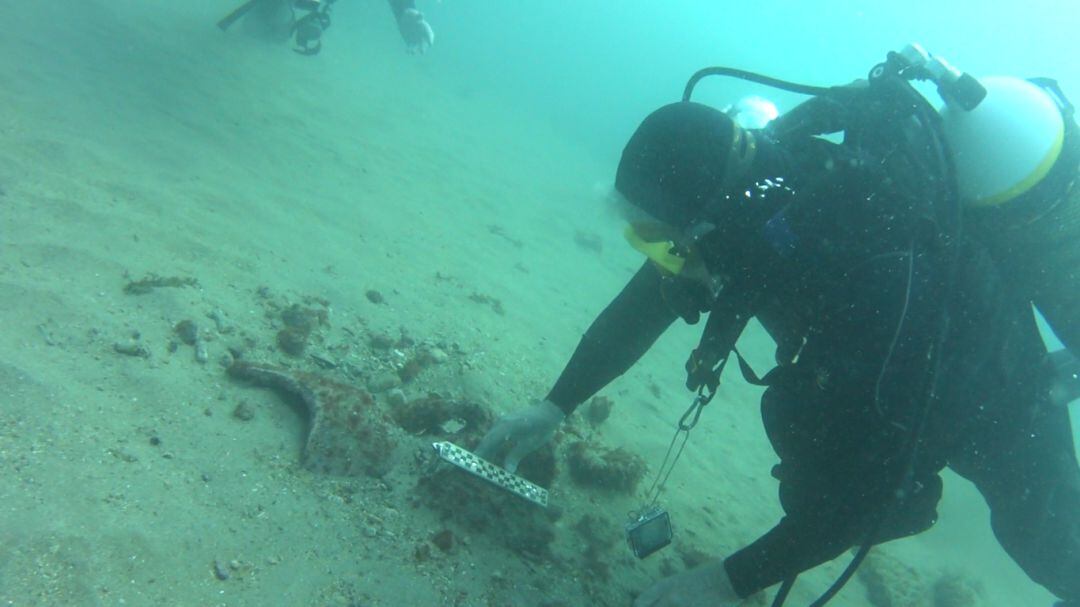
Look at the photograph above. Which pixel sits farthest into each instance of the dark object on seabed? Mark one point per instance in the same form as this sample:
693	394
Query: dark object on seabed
598	410
594	466
153	281
347	434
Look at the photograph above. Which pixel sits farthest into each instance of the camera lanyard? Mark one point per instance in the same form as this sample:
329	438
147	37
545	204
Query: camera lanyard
706	392
687	422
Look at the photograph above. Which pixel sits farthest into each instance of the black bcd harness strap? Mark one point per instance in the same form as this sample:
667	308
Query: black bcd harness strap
707	361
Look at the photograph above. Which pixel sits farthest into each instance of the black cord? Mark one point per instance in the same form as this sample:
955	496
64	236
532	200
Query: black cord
783	591
899	329
785	85
849	571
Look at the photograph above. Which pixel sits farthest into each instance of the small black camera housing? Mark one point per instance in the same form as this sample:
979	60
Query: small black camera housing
649	532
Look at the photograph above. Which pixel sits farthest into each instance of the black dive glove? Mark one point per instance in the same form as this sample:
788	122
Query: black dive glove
686	298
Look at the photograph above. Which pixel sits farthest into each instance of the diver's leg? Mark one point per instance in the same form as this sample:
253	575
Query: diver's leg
1030	479
834	488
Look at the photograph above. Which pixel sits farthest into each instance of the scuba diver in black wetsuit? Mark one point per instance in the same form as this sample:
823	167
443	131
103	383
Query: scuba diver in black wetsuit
305	21
904	341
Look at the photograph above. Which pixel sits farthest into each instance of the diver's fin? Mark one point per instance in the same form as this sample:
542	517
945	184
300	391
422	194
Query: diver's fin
240	11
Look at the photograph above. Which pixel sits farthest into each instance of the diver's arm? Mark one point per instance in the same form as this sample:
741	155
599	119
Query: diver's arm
619	336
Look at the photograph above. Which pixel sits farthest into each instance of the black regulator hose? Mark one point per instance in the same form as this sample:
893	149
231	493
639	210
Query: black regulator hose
785	589
784	85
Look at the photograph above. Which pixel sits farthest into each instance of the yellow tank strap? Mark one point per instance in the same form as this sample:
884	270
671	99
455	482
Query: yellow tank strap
1040	171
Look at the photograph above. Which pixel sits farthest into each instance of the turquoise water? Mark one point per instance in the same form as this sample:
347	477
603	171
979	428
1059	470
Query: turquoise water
445	211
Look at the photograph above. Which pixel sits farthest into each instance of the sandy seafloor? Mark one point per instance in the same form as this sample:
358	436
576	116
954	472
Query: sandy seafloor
136	139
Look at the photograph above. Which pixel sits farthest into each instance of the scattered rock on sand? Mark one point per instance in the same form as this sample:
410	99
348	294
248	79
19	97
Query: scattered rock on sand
598	410
300	323
220	322
384	381
434	415
187	331
220	569
243	411
396	397
437	355
443	540
592	465
381	341
889	581
131	348
957	590
292	340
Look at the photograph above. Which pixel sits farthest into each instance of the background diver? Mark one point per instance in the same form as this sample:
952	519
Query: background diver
304	21
901	348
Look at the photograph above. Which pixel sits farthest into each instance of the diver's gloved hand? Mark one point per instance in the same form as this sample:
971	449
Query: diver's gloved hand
523	431
416	32
704	586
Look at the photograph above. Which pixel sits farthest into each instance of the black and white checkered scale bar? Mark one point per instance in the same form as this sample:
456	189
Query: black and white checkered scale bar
488	471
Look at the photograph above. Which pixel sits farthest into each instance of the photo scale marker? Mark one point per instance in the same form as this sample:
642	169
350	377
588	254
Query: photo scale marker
488	471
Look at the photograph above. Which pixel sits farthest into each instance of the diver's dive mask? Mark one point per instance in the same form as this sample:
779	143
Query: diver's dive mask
676	254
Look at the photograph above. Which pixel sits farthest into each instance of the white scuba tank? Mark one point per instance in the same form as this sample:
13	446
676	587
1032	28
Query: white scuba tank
1007	144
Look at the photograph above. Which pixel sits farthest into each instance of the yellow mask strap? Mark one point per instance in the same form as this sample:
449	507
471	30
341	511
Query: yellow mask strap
660	252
